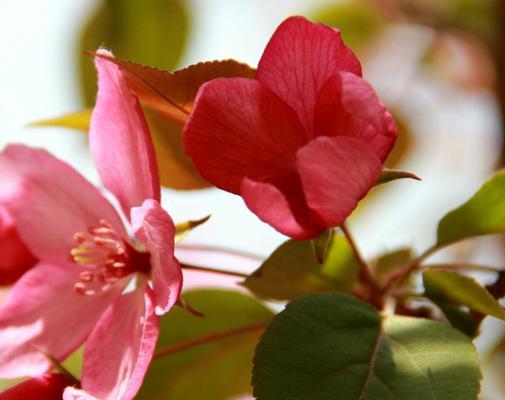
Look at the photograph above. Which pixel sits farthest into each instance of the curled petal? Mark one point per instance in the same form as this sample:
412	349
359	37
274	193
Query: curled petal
298	60
285	209
72	393
120	140
336	173
120	348
155	229
347	105
237	129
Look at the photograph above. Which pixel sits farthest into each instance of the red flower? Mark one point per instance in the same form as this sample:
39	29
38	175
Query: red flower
303	142
49	386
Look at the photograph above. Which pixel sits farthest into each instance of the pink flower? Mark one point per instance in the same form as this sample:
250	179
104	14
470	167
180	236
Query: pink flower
49	386
88	255
303	142
16	259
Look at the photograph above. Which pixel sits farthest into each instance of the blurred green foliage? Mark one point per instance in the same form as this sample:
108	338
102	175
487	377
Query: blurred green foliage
150	32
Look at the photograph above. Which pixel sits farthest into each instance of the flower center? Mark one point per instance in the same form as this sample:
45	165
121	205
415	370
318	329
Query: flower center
107	258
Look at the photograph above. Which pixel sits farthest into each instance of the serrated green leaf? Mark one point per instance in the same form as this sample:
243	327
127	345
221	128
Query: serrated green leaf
152	32
483	214
218	370
461	290
332	346
293	270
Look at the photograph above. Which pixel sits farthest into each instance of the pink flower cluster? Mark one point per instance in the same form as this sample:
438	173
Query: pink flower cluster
302	144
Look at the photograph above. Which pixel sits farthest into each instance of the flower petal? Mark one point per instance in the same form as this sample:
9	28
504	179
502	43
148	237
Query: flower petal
120	140
299	58
49	202
237	129
46	387
16	259
336	173
72	393
120	348
347	105
155	229
43	314
285	210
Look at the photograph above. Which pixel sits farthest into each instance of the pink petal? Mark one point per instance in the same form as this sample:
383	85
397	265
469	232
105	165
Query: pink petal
120	348
46	387
285	210
299	59
120	140
15	258
336	173
155	229
347	105
238	129
49	202
44	314
72	393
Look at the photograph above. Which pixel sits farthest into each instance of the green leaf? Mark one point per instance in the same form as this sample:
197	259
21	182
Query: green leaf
391	261
78	120
483	214
321	245
358	20
293	270
461	290
218	370
389	175
152	32
332	346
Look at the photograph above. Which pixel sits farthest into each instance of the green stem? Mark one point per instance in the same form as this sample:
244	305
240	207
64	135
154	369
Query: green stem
213	270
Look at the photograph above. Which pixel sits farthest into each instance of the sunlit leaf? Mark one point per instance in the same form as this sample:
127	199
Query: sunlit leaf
358	20
173	93
183	228
331	346
388	175
483	214
152	32
78	120
218	370
293	270
461	290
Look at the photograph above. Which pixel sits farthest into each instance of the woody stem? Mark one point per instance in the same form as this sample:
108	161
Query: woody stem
210	338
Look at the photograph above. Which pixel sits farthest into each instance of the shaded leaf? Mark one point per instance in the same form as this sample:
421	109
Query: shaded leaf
78	120
483	214
321	245
153	32
389	175
461	290
183	228
293	270
332	346
218	370
388	262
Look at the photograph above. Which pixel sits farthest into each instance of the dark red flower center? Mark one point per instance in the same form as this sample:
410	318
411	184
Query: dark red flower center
107	257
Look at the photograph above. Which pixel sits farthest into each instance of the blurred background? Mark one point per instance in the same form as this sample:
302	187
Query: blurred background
438	65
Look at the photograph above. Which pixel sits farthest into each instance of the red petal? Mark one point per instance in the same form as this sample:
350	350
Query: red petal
299	59
284	209
50	202
238	129
16	259
44	314
120	140
336	173
347	105
155	229
45	387
120	348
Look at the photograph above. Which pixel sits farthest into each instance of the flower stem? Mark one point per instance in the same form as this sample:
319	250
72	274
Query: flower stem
213	270
365	272
217	249
210	338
